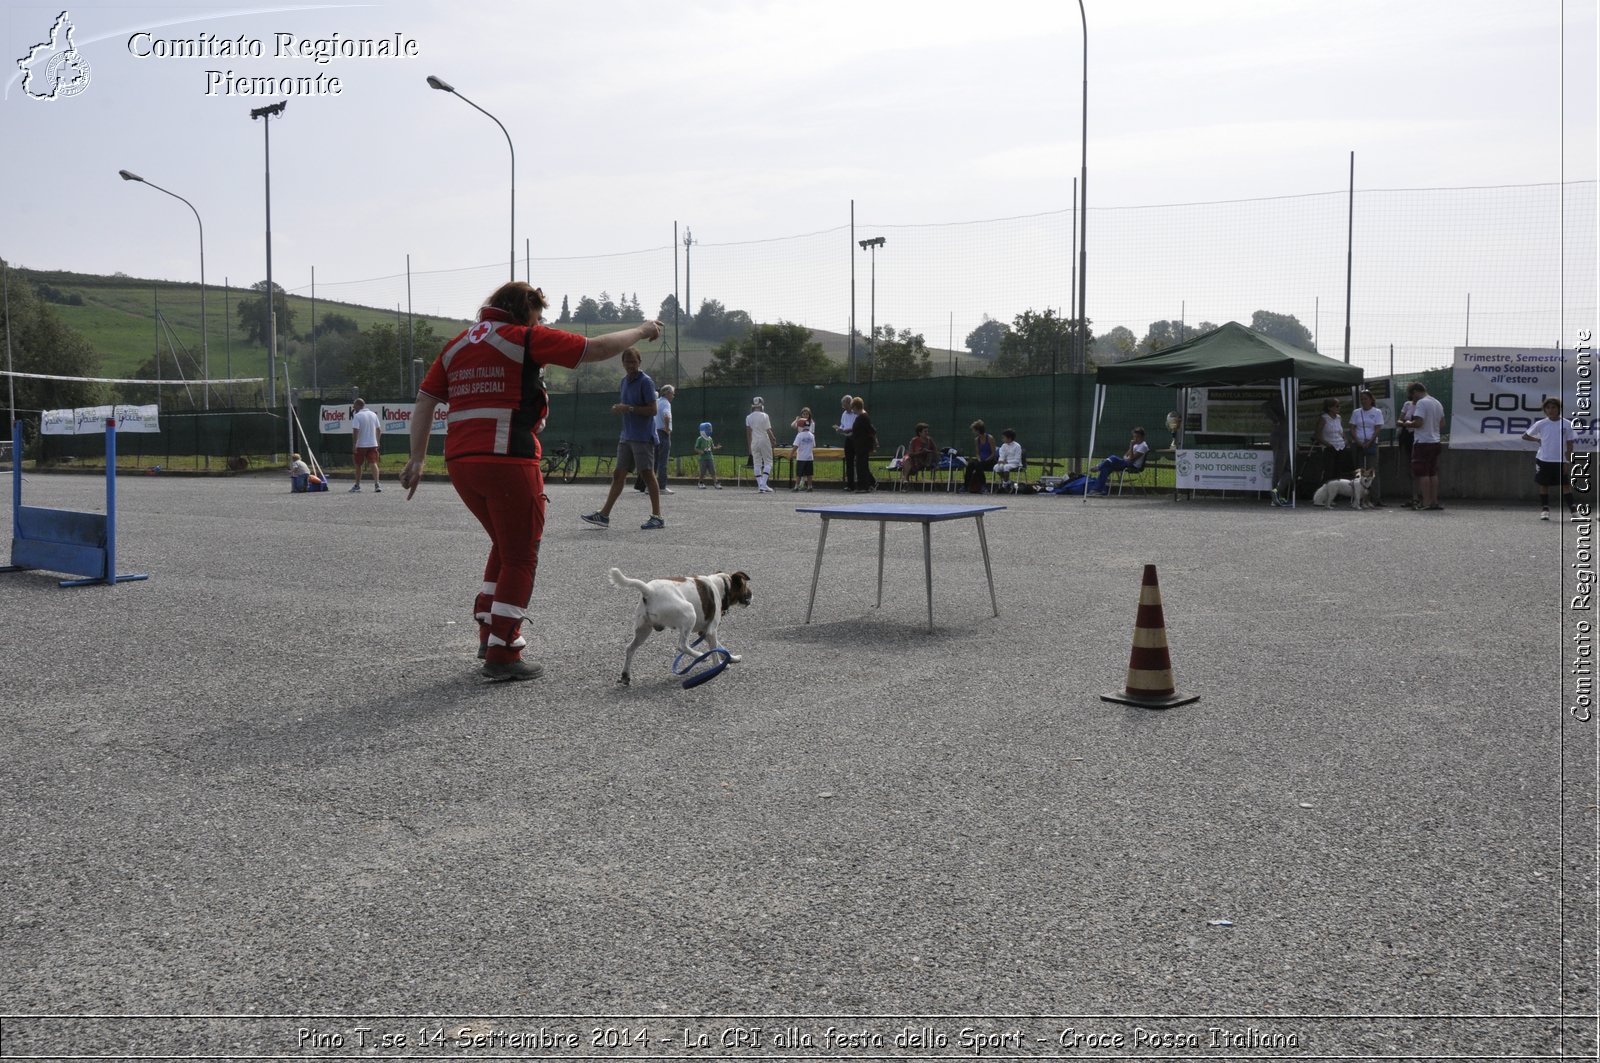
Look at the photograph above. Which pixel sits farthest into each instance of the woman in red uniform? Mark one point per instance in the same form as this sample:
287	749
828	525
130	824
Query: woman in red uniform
492	378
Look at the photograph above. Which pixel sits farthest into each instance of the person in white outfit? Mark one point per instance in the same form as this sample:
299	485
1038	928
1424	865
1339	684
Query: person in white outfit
1010	459
1552	466
365	429
759	440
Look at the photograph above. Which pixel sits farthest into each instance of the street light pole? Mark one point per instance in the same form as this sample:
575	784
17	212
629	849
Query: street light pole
205	347
445	86
266	114
872	343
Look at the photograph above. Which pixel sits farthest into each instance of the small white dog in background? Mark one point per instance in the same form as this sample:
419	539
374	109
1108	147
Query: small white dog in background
690	605
1356	490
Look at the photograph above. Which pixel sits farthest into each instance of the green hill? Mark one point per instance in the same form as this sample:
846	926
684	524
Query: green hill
119	317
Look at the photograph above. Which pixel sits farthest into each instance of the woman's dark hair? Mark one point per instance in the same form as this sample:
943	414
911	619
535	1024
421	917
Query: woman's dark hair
922	426
519	299
977	426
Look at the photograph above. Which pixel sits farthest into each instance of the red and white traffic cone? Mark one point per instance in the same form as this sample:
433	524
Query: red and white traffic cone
1150	683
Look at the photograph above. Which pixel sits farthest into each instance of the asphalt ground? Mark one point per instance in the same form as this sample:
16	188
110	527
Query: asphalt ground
270	782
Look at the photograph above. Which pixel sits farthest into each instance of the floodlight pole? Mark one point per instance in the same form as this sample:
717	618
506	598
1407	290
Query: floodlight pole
688	273
205	347
1083	220
445	86
872	344
266	114
1349	256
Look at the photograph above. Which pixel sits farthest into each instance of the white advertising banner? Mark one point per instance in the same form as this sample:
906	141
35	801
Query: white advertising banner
1499	393
1224	470
395	417
139	418
59	423
91	420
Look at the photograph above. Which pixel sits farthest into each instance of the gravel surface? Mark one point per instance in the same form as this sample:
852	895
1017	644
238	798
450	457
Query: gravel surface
269	780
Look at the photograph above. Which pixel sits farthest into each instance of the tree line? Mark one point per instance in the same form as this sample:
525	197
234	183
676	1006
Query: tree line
1045	343
380	359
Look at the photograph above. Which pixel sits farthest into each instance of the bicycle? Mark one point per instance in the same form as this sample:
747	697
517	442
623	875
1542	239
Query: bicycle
561	462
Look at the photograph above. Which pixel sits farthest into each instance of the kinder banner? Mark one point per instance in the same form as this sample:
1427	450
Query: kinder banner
91	420
1500	391
394	416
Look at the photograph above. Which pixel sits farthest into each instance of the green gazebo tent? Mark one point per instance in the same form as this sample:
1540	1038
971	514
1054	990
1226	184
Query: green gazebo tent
1230	356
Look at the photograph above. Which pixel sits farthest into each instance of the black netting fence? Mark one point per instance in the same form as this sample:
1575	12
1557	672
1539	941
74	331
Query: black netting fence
1050	414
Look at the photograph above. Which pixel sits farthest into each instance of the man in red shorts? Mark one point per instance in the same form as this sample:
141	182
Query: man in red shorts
1427	421
365	431
491	376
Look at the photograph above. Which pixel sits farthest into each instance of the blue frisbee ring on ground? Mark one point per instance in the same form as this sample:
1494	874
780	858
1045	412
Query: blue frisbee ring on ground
691	677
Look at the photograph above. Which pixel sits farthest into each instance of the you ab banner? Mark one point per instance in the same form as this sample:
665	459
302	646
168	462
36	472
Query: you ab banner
1499	393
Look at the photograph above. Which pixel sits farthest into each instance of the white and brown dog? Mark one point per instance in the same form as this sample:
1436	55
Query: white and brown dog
1355	490
690	605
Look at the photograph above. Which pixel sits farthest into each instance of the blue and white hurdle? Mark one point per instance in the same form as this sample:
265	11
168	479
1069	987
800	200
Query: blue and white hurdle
61	540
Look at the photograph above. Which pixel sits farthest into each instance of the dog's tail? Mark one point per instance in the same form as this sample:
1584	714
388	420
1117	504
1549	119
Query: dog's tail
626	582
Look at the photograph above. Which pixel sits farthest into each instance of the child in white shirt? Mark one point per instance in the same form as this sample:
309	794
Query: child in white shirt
299	473
805	443
1555	436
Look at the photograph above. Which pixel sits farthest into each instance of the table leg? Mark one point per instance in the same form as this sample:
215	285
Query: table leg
983	541
816	571
927	566
883	528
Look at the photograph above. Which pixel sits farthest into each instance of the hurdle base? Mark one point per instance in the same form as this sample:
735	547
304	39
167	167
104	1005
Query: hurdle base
1171	701
127	578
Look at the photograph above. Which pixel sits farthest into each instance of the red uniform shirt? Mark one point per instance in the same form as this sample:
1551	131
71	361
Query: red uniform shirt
490	377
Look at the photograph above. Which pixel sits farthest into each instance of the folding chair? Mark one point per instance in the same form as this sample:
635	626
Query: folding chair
1141	475
1011	480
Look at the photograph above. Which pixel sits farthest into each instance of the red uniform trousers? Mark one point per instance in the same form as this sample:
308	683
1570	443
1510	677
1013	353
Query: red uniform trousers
507	497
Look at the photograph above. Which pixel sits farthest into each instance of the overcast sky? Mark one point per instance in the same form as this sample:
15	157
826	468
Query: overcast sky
750	121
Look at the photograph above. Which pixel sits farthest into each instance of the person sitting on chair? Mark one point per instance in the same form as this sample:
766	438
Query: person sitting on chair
984	456
1133	460
299	474
921	453
1010	459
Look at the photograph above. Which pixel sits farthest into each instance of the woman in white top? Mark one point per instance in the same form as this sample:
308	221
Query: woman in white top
1330	435
1366	421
